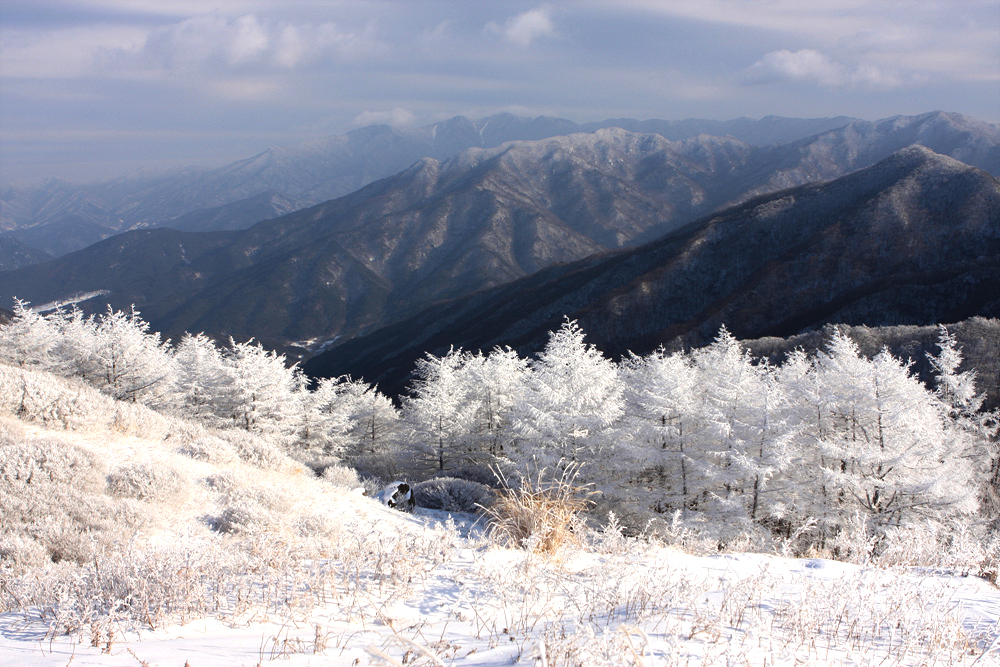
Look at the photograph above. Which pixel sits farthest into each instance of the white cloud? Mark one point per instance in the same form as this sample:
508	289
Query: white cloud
826	21
214	42
397	117
806	65
812	67
248	40
61	53
523	29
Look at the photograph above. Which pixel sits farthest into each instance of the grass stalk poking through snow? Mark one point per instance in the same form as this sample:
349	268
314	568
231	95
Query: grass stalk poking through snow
541	514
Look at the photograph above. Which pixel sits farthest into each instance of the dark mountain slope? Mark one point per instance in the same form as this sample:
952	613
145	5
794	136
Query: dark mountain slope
437	230
914	239
60	217
14	254
163	262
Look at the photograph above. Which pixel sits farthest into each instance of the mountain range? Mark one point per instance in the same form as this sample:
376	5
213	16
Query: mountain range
914	239
547	212
58	217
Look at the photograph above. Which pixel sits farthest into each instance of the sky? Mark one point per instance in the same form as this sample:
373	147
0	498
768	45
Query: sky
90	89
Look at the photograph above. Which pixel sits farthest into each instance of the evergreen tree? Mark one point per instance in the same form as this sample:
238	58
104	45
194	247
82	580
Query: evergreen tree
130	362
889	453
661	392
441	412
201	386
572	396
29	339
261	390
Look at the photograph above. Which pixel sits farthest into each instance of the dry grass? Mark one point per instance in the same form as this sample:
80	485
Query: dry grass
539	514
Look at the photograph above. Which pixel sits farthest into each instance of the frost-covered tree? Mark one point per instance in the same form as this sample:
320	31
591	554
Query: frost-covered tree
661	396
744	443
887	450
130	362
762	444
29	339
804	493
323	423
375	429
572	397
962	405
441	412
459	411
201	385
261	390
499	380
74	349
957	390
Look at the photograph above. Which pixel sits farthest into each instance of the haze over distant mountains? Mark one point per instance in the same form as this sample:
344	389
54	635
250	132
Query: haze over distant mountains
61	217
58	217
914	239
444	229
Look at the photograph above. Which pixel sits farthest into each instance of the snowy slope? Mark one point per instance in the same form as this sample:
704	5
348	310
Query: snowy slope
229	553
491	606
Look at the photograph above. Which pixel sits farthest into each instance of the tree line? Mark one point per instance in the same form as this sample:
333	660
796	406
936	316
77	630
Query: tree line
713	437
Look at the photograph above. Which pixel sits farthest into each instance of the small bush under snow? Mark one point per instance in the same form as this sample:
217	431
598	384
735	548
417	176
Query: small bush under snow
208	448
453	495
341	477
144	481
256	450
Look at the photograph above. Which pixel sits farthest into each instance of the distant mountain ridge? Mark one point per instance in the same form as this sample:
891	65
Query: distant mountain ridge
58	217
61	217
914	239
437	230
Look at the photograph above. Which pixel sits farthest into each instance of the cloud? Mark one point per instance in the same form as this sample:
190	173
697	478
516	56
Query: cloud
523	29
248	41
61	53
812	67
397	117
216	42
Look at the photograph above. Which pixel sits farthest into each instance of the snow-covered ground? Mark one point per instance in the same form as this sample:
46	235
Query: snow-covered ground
616	602
222	551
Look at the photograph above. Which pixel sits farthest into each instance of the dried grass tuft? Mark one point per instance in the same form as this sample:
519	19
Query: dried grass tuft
539	514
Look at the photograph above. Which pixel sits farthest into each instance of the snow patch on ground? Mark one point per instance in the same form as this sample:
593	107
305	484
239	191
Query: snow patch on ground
492	606
69	301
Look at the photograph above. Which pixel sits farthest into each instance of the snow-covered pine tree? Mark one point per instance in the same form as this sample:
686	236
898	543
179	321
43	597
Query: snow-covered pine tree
804	495
888	452
962	405
662	419
130	361
498	382
201	387
441	411
374	432
29	339
762	443
573	395
74	350
323	424
261	390
726	382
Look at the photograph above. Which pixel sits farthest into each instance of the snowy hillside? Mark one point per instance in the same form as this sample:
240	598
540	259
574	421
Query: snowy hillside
299	571
136	536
